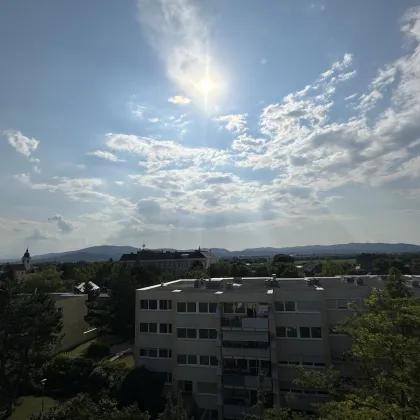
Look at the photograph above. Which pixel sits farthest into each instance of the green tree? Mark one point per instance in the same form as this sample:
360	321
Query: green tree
82	407
47	281
283	258
384	353
30	328
220	269
174	408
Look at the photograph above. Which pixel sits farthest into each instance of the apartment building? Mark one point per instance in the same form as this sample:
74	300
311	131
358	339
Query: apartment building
213	337
75	329
170	259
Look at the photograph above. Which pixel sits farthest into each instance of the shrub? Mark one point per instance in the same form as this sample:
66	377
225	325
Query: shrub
66	376
97	350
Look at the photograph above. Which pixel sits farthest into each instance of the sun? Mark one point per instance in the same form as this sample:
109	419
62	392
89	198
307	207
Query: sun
206	85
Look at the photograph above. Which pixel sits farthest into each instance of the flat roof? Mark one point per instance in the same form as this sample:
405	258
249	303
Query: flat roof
263	284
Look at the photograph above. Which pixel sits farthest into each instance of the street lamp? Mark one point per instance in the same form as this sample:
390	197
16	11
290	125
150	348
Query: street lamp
43	382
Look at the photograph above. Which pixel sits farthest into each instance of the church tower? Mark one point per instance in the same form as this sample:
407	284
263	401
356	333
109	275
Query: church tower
26	260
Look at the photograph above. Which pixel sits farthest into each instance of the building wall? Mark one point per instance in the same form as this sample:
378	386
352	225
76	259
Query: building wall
74	325
318	308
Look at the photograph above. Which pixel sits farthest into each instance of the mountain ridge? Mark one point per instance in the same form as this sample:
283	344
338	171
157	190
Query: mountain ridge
105	252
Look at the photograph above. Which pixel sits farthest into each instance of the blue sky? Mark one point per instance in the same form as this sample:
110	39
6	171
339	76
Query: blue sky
234	124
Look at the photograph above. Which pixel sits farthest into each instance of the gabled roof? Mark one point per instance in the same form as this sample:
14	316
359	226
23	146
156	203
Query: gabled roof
156	255
81	286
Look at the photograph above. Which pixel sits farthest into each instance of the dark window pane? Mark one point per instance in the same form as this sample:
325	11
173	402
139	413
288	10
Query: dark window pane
170	328
228	308
240	308
305	332
289	306
182	359
316	332
203	333
163	328
163	353
144	327
191	333
153	327
152	304
181	307
143	352
163	304
204	360
144	304
213	361
153	353
213	334
203	307
192	359
191	307
170	306
281	331
292	332
181	333
212	307
279	306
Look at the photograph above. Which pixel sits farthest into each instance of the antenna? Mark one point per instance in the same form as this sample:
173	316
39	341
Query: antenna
143	246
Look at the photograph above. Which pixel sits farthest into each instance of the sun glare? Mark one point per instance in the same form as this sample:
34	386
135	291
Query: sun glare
206	85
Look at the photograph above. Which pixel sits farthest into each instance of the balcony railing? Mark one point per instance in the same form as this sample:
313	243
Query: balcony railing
244	322
246	344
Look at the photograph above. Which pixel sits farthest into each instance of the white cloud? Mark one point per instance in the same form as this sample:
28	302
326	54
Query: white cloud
63	225
24	145
120	183
350	97
179	100
103	154
81	166
234	122
40	235
154	120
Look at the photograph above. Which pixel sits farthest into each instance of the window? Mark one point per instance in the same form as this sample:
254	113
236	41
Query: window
191	333
288	306
207	308
305	332
191	307
186	307
165	305
286	332
182	359
153	353
144	352
208	361
153	304
165	328
144	304
153	327
187	359
228	308
310	332
208	334
165	353
144	327
186	333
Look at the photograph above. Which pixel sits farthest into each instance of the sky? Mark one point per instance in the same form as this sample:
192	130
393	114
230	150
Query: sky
212	123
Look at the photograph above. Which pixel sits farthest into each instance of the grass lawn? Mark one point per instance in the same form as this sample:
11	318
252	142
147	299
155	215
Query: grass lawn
80	350
127	360
31	405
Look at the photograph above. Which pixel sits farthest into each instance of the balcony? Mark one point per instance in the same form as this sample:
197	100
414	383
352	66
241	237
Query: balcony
245	380
244	352
244	323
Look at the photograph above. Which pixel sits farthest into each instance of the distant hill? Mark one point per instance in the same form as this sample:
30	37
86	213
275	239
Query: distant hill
105	252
